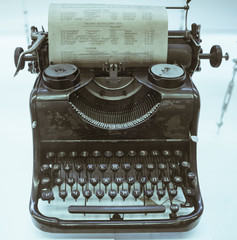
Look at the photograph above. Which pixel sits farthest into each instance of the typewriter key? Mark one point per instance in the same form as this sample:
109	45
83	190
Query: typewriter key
150	167
63	194
142	180
124	194
178	153
73	155
119	153
191	176
78	167
67	167
82	181
106	181
162	166
185	165
132	153
56	168
155	153
178	180
47	195
149	193
136	193
108	154
45	181
166	180
166	153
58	181
143	153
50	156
94	181
103	167
91	168
75	194
174	208
84	154
130	181
112	194
61	155
154	181
87	194
114	167
99	194
118	181
190	192
126	167
70	181
172	193
96	153
160	193
139	167
45	169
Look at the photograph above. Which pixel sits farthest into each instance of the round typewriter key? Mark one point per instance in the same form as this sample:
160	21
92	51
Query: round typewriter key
73	155
78	167
61	155
114	167
166	180
63	194
174	208
56	168
162	166
189	192
166	153
172	192
118	181
84	154
191	176
50	156
154	153
96	153
103	167
45	181
126	167
149	193
45	169
106	181
132	153
124	194
185	165
142	180
143	153
154	180
58	181
174	167
112	193
136	193
178	180
108	154
139	167
130	181
178	153
87	194
99	194
119	153
150	167
67	167
70	181
82	181
75	194
91	168
94	181
47	195
160	193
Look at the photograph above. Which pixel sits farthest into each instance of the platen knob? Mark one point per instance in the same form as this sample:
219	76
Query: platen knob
166	75
61	76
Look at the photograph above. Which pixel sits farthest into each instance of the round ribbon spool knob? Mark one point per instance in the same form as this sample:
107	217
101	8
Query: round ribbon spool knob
166	75
61	76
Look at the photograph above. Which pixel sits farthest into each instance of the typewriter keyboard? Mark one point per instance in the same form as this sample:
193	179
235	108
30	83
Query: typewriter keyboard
116	185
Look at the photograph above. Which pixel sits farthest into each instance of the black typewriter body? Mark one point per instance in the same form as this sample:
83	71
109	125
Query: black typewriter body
115	148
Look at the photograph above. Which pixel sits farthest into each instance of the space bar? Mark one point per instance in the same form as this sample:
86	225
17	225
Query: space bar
116	209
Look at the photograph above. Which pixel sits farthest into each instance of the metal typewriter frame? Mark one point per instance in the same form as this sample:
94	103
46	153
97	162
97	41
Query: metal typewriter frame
37	55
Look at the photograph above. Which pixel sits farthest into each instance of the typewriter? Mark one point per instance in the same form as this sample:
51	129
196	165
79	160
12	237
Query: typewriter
115	147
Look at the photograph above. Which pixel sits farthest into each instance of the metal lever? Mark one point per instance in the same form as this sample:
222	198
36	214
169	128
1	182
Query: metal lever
215	56
39	38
